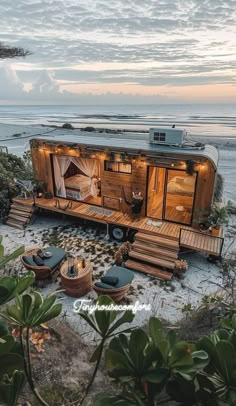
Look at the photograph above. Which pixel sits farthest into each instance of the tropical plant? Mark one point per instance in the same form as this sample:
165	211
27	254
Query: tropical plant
29	310
218	216
4	259
122	253
12	376
153	360
105	321
181	267
11	167
129	397
219	377
201	218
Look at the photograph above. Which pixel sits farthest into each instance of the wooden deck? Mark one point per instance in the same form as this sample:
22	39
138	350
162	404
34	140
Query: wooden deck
202	242
186	236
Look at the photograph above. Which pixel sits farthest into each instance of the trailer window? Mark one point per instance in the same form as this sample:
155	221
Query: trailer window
118	167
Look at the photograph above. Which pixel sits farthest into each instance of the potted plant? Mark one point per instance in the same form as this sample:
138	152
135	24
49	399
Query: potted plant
218	216
201	220
181	267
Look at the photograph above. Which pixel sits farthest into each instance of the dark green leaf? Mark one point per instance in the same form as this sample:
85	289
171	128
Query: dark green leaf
4	330
10	363
10	388
127	317
157	376
96	353
156	330
227	359
138	342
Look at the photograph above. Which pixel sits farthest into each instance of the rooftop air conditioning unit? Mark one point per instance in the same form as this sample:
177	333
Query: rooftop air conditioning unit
166	136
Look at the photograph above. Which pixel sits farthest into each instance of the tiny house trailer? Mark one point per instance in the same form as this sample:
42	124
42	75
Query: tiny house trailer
94	176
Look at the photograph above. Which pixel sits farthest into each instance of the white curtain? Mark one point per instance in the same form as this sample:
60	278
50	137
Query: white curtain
61	164
89	167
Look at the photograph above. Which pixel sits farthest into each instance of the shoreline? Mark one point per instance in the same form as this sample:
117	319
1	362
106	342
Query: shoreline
17	135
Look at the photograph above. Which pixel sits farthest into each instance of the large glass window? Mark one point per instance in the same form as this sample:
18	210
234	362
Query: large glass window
179	202
77	178
156	186
170	195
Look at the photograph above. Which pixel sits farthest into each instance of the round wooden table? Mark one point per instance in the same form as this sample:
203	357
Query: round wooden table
79	285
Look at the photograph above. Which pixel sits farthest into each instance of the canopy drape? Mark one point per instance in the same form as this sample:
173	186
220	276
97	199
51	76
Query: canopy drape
88	166
61	164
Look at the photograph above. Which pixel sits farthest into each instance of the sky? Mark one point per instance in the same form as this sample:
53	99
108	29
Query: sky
119	51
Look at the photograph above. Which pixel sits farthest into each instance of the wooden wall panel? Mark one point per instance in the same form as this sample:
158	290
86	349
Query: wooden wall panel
112	183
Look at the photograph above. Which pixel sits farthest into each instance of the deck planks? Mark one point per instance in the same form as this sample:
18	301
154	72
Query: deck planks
201	242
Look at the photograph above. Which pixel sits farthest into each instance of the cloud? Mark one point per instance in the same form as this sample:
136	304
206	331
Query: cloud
165	42
45	83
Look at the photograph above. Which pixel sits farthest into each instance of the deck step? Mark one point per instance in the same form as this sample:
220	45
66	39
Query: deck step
15	224
148	269
152	260
18	218
159	252
20	213
21	207
156	240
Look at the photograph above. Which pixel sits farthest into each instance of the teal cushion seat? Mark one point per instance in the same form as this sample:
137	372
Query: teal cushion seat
58	254
124	275
29	261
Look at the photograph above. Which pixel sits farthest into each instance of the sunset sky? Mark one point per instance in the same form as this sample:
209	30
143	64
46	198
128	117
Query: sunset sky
119	51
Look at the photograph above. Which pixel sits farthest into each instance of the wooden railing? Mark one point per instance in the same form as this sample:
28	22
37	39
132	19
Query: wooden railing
201	233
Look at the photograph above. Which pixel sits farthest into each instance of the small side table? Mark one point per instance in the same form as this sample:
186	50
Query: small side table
80	285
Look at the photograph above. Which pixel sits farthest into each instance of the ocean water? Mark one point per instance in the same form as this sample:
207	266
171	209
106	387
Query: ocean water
198	119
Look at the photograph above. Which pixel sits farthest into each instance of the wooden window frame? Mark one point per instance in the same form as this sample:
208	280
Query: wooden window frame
118	163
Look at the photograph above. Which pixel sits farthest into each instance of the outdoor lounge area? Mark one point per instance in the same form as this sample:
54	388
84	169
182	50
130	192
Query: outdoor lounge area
76	273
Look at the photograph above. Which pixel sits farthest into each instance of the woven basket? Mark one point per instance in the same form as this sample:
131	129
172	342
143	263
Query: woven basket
116	294
79	285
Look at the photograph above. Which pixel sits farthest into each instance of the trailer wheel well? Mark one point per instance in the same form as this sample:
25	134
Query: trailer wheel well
118	233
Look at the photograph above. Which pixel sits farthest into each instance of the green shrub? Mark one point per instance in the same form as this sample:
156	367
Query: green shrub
12	167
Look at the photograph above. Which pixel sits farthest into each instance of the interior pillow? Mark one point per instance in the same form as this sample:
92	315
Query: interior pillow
189	181
179	179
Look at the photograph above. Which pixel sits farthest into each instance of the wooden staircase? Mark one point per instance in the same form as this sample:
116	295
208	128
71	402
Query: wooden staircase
20	214
153	255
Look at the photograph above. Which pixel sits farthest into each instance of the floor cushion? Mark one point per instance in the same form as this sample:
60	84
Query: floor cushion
58	254
124	275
